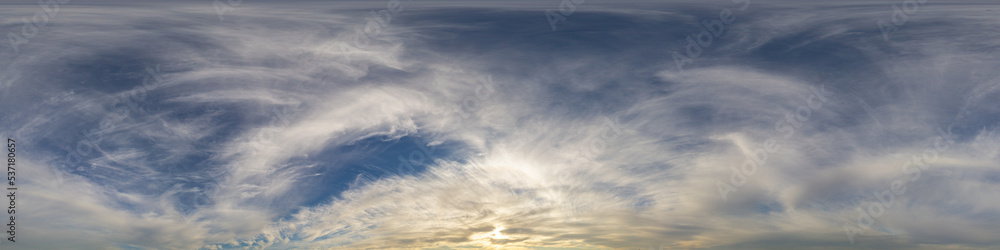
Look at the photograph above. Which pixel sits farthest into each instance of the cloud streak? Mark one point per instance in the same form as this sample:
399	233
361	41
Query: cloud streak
262	133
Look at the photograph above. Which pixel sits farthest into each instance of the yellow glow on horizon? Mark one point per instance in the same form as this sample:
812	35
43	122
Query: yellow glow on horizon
496	232
485	238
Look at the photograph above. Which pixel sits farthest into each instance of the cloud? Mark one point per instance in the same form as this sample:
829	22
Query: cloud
270	129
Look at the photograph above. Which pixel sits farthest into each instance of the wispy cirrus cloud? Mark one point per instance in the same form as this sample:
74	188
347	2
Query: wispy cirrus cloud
264	134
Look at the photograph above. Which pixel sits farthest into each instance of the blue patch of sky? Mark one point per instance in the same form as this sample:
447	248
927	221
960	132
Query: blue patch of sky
372	158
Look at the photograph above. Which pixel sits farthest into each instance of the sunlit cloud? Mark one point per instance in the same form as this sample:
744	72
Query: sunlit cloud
487	125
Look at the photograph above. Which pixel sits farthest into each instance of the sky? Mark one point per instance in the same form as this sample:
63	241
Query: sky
556	124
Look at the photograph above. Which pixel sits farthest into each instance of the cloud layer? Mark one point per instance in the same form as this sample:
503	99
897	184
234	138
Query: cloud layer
477	125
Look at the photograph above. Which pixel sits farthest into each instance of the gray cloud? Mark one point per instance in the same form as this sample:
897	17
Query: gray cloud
586	137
